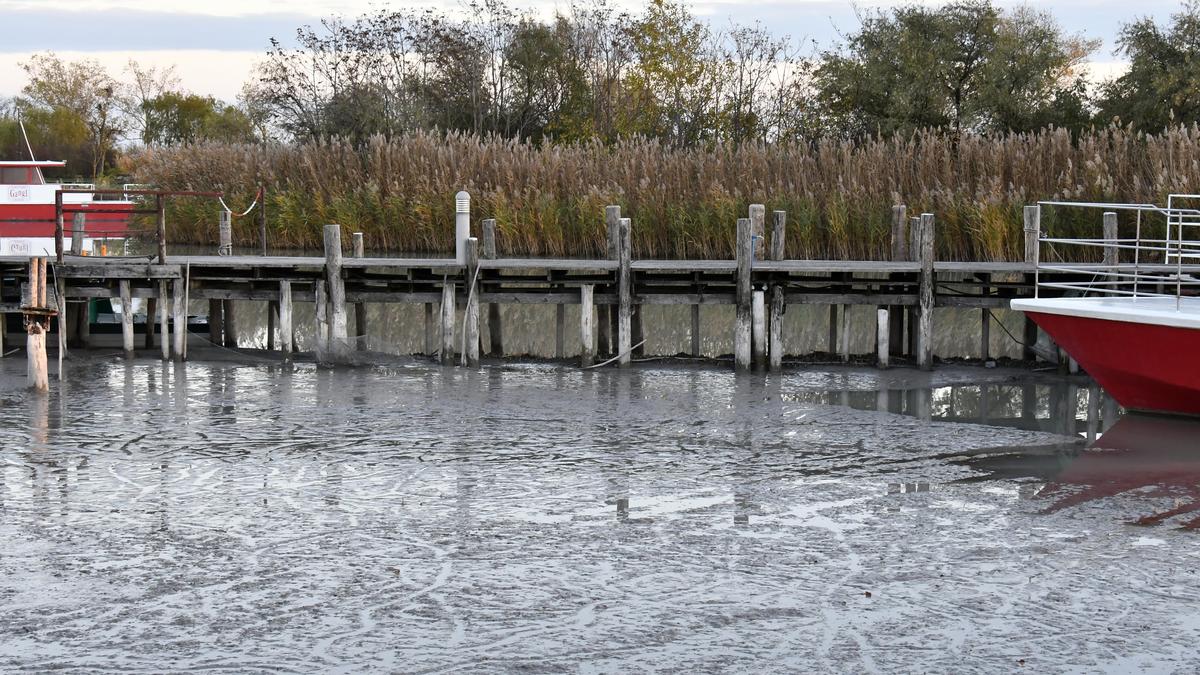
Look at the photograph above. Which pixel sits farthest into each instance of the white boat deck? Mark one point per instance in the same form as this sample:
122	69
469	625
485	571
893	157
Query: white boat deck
1182	312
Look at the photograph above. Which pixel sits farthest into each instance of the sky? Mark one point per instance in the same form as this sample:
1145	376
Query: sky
214	44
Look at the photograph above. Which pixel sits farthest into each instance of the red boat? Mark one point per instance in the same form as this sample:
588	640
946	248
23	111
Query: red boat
1133	321
27	212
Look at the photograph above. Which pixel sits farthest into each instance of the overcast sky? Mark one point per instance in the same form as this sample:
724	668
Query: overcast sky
215	43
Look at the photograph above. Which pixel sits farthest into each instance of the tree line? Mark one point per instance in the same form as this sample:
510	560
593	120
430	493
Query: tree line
595	73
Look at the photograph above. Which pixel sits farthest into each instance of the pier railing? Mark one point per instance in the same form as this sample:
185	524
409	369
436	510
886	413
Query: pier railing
1158	256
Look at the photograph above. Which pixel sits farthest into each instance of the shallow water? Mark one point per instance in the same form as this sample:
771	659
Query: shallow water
543	519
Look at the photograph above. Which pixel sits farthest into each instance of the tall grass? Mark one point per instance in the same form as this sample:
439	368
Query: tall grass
549	200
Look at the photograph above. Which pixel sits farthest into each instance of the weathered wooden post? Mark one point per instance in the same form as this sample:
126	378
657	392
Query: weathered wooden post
462	225
78	228
624	292
164	319
471	316
58	225
285	319
587	342
742	334
607	314
262	218
882	316
126	318
225	233
925	304
899	254
230	324
778	252
37	324
832	345
495	325
758	327
1033	228
321	316
337	290
844	336
151	313
695	333
447	353
360	308
160	204
985	318
758	230
216	322
180	318
1112	254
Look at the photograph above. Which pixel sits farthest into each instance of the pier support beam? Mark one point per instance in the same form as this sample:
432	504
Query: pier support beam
430	331
742	332
758	309
180	319
164	319
695	332
883	334
624	293
587	342
1033	229
230	324
925	300
337	291
285	319
495	325
985	322
899	253
360	308
126	318
777	346
216	322
321	317
612	221
471	314
1112	254
560	331
447	354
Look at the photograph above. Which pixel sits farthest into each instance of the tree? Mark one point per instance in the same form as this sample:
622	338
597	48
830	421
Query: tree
967	66
142	85
1162	85
173	118
80	90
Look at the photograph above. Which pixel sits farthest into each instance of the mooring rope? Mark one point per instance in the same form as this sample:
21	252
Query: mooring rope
462	343
257	196
618	356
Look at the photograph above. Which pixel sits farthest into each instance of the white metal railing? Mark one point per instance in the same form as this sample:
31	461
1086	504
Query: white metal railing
1148	265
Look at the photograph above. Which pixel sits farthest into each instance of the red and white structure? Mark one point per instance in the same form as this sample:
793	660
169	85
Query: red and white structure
28	212
1133	321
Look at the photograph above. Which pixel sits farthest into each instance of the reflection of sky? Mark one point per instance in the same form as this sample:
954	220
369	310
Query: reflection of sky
184	33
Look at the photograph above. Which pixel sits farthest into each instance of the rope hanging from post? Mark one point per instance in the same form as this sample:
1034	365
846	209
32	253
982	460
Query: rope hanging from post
257	196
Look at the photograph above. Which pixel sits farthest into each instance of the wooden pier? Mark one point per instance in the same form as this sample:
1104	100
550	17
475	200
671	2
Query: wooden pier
761	285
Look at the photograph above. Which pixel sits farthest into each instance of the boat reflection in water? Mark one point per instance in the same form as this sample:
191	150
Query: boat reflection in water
1156	459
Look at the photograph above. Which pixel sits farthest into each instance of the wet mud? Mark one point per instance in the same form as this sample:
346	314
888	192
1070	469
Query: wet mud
536	518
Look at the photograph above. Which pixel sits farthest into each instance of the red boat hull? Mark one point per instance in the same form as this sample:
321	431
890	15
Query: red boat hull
1143	366
37	220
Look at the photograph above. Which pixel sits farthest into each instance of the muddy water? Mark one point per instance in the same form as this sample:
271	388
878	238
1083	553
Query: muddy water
406	517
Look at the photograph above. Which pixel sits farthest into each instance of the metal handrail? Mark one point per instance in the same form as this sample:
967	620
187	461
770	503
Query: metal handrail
1111	277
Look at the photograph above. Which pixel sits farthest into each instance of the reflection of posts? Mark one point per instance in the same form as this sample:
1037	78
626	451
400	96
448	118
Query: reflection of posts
37	324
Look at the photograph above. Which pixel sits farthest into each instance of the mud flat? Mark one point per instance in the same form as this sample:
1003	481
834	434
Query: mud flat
538	518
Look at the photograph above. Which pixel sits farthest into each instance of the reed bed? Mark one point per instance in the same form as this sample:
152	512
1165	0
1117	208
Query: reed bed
549	200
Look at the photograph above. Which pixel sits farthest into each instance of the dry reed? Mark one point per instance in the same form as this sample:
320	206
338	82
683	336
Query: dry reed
549	200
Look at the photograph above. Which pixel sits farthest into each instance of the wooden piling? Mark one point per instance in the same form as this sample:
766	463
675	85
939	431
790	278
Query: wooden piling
1032	227
272	323
758	328
832	345
78	227
899	252
985	322
742	331
695	332
1112	254
285	319
160	205
779	235
126	318
624	293
844	335
471	315
321	317
495	325
776	338
882	336
164	319
758	229
180	319
925	301
37	324
151	312
608	329
337	290
587	342
225	233
447	353
360	308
